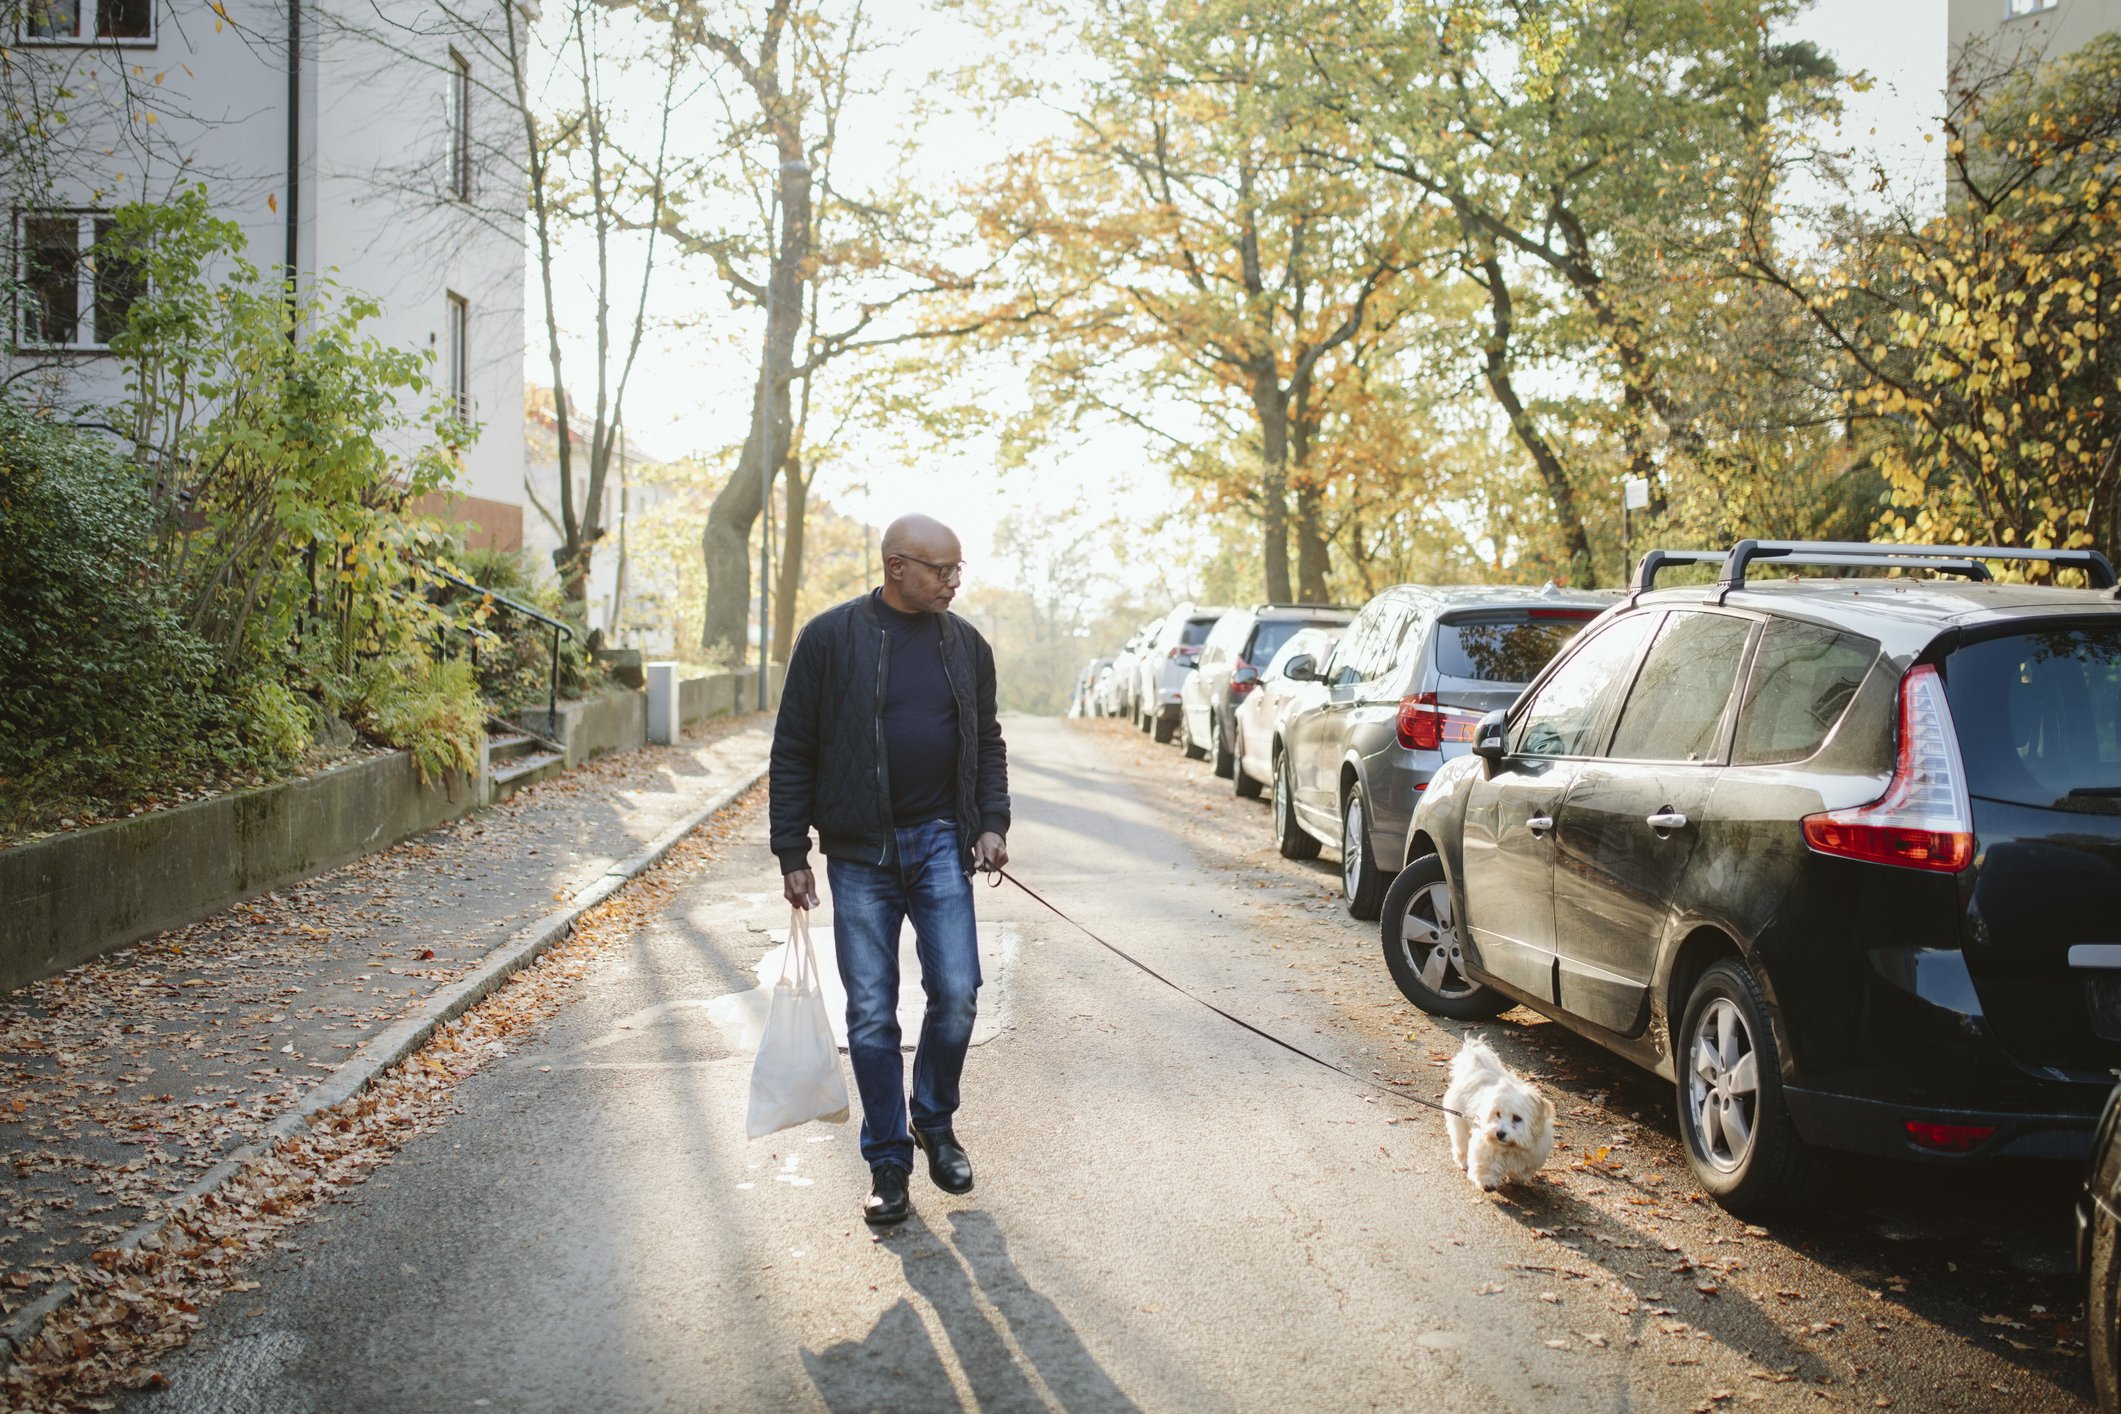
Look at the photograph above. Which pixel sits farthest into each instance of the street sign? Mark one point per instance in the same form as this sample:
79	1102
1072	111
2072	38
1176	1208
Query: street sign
1635	493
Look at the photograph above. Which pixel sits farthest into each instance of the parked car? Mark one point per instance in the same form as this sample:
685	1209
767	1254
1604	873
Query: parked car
1126	673
1165	662
1258	721
2099	1254
1083	701
1840	858
1243	638
1398	698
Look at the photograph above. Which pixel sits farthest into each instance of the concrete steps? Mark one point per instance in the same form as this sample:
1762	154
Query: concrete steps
516	759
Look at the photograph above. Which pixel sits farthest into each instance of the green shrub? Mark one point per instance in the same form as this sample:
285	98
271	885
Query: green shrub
515	652
102	685
432	710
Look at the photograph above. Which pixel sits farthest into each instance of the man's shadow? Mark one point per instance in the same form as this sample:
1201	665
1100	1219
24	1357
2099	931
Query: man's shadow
897	1367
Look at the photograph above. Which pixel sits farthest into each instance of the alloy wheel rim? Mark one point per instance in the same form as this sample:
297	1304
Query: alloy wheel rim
1351	846
1723	1085
1428	940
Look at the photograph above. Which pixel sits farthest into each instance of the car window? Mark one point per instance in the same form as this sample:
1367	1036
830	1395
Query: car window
1508	646
1375	652
1272	634
1317	642
2039	716
1195	632
1804	677
1675	710
1351	655
1562	718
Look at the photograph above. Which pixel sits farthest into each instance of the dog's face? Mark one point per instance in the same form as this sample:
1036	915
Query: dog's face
1510	1116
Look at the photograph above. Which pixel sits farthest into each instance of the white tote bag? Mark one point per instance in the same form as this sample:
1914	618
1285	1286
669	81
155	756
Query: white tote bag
796	1077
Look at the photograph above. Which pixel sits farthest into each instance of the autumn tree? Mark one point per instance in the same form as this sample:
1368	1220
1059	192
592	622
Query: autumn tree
1979	350
1591	159
1190	247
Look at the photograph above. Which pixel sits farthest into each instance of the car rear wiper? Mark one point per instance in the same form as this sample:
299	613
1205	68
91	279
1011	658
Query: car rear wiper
2097	790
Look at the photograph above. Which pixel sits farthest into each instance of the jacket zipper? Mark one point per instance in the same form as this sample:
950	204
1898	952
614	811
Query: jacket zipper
957	777
883	798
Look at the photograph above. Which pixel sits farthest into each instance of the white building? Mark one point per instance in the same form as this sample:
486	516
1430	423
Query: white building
614	607
2050	28
372	143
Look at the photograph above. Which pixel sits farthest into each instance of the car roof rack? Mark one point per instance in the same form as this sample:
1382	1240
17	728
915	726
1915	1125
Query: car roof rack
1963	560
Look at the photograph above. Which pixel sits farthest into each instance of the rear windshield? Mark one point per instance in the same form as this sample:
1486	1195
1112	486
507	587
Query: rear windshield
1506	648
1196	632
2039	715
1273	633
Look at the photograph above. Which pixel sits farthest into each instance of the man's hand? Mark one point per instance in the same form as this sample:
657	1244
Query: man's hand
989	852
800	888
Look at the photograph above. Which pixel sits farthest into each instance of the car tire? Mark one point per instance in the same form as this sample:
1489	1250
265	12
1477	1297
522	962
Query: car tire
1162	730
1242	785
1736	1130
1362	887
1289	837
1425	948
1225	762
1142	720
1193	749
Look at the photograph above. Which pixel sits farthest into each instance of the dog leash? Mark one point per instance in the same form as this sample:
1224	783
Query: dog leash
994	881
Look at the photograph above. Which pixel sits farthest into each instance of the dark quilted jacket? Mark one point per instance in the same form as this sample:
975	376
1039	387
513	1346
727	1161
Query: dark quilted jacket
829	772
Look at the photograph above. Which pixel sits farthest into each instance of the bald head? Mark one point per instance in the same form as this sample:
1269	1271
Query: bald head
913	546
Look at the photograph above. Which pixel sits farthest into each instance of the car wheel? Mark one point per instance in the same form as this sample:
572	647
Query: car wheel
1162	730
1736	1128
1424	947
1141	719
1243	785
2102	1299
1225	762
1194	750
1289	837
1361	886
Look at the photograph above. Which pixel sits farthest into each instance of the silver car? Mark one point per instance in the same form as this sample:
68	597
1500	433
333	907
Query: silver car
1399	697
1164	663
1257	723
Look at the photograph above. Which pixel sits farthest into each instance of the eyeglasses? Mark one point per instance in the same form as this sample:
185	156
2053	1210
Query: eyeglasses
949	574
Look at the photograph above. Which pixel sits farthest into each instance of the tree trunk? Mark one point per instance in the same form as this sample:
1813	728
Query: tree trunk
1271	405
1312	561
795	490
1496	353
725	544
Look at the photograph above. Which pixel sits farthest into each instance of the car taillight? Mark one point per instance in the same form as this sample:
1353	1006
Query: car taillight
1923	821
1423	726
1948	1138
1240	688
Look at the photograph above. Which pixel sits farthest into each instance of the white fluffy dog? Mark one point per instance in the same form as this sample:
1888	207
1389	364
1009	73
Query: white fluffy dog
1504	1128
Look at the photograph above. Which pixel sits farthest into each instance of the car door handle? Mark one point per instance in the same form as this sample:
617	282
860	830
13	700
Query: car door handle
1540	824
1667	820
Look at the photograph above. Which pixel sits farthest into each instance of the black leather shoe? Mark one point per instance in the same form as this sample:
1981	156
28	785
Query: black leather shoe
947	1163
887	1196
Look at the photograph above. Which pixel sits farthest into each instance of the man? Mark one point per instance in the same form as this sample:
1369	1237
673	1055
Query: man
887	745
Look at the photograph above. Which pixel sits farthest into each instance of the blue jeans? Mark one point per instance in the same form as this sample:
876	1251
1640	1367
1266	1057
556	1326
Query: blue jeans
925	881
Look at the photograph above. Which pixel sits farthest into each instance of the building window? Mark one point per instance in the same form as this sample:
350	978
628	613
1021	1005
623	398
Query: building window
81	21
459	126
459	356
75	283
2019	9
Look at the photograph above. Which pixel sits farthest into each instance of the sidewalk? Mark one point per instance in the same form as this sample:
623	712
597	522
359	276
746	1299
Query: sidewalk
128	1077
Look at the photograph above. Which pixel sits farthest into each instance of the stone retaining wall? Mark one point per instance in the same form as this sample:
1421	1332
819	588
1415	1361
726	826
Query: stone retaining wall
67	898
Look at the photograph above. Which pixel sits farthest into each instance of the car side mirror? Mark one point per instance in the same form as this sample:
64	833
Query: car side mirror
1244	677
1302	668
1489	735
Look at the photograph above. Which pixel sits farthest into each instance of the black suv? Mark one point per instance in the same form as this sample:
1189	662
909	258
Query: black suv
1841	857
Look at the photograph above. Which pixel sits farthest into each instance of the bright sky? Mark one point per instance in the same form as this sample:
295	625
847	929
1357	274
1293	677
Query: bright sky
692	390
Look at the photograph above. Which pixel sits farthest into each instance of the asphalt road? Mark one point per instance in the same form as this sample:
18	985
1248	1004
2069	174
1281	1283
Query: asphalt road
1171	1214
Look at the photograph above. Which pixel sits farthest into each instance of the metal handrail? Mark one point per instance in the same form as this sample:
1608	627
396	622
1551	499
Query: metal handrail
558	627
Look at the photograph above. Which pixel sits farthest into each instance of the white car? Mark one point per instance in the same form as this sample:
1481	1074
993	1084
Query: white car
1258	716
1165	661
